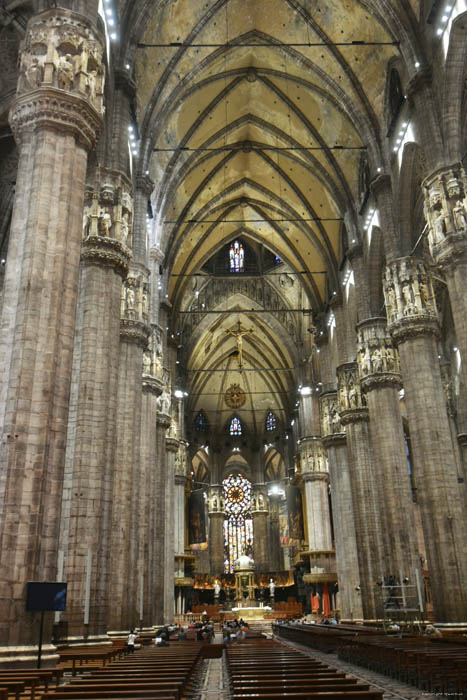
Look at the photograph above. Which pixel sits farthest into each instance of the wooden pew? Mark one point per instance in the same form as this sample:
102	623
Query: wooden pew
271	671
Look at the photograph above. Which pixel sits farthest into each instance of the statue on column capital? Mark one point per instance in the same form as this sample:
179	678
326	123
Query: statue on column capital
330	418
61	76
351	400
445	208
410	299
313	457
378	359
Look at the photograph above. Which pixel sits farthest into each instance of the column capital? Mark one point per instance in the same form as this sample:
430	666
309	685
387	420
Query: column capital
144	184
352	403
410	300
106	252
445	209
132	331
163	420
152	385
381	183
378	360
309	477
61	77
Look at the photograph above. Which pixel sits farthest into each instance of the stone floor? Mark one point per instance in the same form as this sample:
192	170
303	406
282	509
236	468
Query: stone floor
214	684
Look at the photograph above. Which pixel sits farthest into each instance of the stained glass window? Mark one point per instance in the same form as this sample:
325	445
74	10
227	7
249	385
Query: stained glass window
235	426
238	525
271	422
201	423
236	257
277	259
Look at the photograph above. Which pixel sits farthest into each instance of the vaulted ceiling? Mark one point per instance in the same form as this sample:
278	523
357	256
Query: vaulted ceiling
255	117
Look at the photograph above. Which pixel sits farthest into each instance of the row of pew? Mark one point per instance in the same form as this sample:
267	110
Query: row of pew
268	670
152	673
433	665
15	683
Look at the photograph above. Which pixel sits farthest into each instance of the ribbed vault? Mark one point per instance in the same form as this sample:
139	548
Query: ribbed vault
255	119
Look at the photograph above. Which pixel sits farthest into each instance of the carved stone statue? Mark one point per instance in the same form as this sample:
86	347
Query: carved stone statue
439	228
34	73
272	587
65	72
460	219
146	363
104	223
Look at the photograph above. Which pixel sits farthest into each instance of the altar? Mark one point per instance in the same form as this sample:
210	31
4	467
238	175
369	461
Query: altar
252	613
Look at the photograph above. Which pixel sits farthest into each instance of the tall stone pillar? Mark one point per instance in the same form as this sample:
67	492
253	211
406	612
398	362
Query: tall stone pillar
259	514
445	211
216	531
414	328
55	119
149	564
161	516
126	511
87	498
315	479
354	417
348	576
381	381
172	447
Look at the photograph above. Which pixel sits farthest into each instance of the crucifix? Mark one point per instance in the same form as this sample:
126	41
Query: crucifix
238	332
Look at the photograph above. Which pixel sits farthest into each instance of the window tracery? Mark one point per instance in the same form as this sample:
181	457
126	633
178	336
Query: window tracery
236	257
235	426
238	524
271	421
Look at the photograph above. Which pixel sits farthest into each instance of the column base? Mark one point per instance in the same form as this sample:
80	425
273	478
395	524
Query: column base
26	657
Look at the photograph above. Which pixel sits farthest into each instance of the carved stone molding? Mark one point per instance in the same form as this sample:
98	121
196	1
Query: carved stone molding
330	418
57	110
152	385
163	420
446	214
106	252
61	76
145	184
410	301
172	444
315	476
134	332
351	400
180	479
378	360
313	458
336	440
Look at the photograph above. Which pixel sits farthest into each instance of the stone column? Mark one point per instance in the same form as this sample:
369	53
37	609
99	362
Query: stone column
87	498
161	516
259	514
149	564
315	478
354	417
381	381
172	446
334	441
275	549
414	327
127	506
445	211
55	119
216	531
